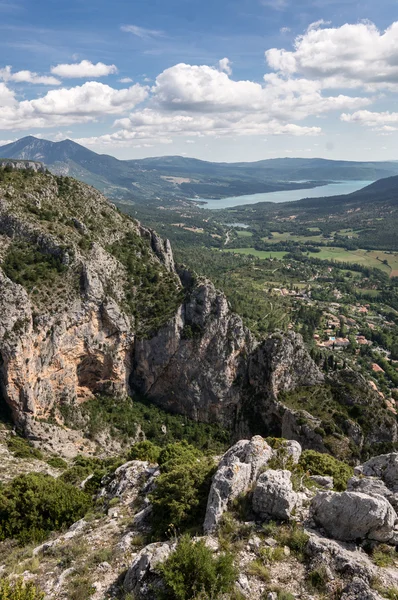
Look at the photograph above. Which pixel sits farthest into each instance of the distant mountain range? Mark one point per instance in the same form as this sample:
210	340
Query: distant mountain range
175	178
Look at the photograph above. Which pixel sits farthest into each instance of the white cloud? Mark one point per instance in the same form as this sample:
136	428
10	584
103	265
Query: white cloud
6	74
5	142
142	32
381	121
285	29
125	80
225	65
357	55
80	104
85	68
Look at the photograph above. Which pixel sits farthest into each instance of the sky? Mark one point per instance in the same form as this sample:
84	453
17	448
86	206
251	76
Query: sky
219	80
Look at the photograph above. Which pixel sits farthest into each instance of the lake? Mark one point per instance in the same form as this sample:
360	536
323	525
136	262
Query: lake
332	189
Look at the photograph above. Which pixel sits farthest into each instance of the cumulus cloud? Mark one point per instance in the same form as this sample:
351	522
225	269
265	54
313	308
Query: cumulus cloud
125	80
6	74
225	65
357	55
142	32
382	121
85	68
80	104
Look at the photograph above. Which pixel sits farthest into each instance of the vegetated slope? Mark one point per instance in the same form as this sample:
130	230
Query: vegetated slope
175	178
92	304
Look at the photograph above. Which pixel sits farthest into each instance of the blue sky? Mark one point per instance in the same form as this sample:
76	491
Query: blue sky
221	80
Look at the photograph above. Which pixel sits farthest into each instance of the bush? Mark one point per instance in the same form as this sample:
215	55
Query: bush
145	451
21	448
57	462
179	453
180	497
34	505
192	569
18	590
324	464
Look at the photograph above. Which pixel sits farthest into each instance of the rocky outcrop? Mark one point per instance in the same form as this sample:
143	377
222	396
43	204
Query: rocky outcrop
354	515
191	366
274	497
23	165
384	467
237	470
142	579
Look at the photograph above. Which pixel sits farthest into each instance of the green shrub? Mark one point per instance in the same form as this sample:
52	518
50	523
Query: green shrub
28	266
57	462
34	505
145	451
324	464
18	590
180	497
179	453
21	448
192	570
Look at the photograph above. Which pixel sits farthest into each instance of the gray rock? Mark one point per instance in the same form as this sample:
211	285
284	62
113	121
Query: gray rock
141	579
293	449
358	589
369	485
274	496
237	470
353	515
384	467
324	481
342	558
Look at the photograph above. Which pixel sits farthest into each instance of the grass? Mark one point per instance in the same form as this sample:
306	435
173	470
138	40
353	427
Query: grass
258	569
244	234
257	253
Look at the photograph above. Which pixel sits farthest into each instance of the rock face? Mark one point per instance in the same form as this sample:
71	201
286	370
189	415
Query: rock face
274	497
354	515
191	365
237	470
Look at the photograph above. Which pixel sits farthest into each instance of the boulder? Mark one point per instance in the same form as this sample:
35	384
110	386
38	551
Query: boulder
237	470
141	579
343	558
354	515
358	589
274	496
384	467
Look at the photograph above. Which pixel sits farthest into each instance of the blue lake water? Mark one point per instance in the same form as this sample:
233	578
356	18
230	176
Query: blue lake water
332	189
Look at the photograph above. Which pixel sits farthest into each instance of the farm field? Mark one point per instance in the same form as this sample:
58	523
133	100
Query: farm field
257	253
369	258
243	234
